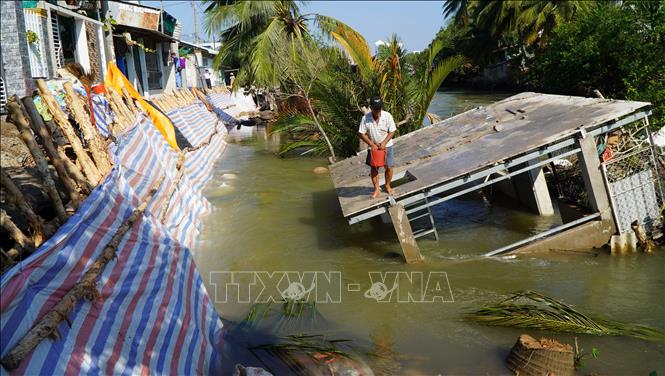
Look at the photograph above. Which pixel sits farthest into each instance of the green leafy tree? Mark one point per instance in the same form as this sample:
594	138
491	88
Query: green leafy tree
618	50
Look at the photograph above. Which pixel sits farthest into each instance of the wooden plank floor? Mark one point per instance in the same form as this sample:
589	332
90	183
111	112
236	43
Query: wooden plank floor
469	141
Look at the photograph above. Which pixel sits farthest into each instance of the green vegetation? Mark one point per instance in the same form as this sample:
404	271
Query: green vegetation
327	75
326	72
565	47
532	310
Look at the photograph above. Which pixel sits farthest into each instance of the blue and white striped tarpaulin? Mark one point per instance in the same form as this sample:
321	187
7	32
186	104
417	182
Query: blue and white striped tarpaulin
153	314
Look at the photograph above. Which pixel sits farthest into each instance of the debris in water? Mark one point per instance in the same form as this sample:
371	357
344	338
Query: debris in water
545	357
532	310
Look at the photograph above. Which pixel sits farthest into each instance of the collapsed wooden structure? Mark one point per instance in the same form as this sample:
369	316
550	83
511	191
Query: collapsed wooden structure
510	140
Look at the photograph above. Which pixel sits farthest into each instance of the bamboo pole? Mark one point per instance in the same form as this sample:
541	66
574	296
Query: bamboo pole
15	233
70	179
86	287
17	197
82	157
21	123
90	134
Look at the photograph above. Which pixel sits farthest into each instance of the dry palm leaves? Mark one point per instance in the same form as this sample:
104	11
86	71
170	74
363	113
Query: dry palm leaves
532	310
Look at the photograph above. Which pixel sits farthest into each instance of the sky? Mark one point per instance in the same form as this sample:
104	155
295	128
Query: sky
415	22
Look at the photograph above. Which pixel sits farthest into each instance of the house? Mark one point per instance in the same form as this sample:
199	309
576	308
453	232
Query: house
199	58
143	39
39	37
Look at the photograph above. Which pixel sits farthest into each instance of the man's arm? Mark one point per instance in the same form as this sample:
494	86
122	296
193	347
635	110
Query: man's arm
389	136
363	136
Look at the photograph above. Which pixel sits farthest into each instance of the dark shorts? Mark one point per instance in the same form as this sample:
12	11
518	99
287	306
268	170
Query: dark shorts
390	161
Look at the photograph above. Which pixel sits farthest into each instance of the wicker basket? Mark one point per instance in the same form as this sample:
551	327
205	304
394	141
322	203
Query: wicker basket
530	357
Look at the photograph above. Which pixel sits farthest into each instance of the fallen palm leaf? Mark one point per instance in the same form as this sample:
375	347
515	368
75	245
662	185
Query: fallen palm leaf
532	310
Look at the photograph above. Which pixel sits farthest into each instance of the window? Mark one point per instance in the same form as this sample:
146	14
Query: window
153	66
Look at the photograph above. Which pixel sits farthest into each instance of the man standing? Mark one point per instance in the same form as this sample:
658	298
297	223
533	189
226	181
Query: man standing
208	78
178	70
376	130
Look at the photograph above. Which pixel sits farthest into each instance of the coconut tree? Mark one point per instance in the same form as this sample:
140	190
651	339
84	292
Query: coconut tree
385	71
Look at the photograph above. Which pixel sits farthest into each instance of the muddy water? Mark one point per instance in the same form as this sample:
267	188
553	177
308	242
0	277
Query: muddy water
275	214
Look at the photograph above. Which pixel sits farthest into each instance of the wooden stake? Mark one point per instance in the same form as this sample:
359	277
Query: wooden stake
130	101
645	243
123	116
17	197
82	157
21	123
174	185
15	233
60	163
86	287
90	134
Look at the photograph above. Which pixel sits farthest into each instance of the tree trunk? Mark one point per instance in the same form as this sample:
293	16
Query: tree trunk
17	197
123	117
86	287
16	113
39	128
174	185
90	134
15	233
642	237
82	157
323	133
130	101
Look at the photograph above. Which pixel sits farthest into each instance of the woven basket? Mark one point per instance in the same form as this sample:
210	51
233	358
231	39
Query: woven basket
530	357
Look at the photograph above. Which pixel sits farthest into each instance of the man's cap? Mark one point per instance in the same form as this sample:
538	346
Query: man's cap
376	103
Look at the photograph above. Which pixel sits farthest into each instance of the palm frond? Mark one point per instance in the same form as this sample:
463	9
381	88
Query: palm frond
262	56
532	310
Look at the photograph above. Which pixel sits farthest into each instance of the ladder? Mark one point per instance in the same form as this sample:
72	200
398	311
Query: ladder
415	214
57	46
3	96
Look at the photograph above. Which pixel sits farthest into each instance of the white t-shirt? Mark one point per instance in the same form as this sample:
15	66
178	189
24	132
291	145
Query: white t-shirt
378	130
207	75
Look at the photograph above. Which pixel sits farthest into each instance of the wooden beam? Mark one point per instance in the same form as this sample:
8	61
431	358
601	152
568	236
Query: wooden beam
17	197
22	241
69	174
90	134
61	120
405	234
19	119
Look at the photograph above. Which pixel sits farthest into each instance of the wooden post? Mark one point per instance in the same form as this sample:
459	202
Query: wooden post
405	234
643	239
61	163
15	233
17	197
90	134
593	178
124	117
16	113
82	157
130	101
86	287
